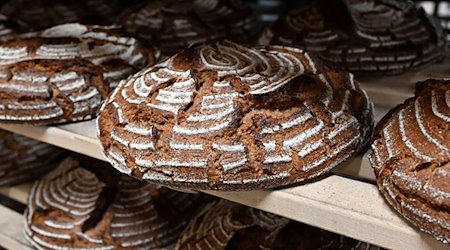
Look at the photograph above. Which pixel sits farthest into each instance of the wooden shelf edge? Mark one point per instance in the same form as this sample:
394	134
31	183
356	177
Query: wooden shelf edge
11	230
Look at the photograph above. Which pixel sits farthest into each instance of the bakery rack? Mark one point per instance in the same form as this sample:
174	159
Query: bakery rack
346	201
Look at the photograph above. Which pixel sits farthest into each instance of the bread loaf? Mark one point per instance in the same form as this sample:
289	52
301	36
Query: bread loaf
368	36
225	225
224	116
173	25
107	46
23	159
86	204
410	156
51	91
63	74
41	14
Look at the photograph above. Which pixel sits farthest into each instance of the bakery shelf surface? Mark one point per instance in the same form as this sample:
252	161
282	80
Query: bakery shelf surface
346	202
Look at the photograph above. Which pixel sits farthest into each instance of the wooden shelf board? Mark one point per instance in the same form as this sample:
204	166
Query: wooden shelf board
11	230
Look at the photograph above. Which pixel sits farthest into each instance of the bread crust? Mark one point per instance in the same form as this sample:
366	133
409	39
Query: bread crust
223	116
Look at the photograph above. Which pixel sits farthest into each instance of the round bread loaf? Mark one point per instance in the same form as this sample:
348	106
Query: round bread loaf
411	158
107	46
226	225
224	116
75	208
44	81
172	25
41	14
23	159
51	91
369	36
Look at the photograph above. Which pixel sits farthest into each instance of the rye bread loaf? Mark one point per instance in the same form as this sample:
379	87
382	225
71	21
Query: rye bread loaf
224	116
225	225
172	25
411	158
63	74
23	159
51	91
42	14
107	46
86	204
367	36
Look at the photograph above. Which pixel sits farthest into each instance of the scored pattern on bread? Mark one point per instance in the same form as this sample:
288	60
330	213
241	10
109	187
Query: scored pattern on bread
72	208
173	25
226	225
411	158
224	116
51	91
23	159
118	55
362	36
41	14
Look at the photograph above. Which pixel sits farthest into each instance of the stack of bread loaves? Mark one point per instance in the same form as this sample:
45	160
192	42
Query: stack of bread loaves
214	114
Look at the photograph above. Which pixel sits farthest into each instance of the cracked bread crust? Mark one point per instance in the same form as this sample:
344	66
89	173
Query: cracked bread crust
173	25
375	37
86	204
411	158
227	117
51	91
41	14
23	159
225	225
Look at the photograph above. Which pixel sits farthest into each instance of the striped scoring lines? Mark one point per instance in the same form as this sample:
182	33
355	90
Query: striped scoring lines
224	225
36	88
215	226
197	23
403	20
166	89
413	129
26	159
417	129
95	44
71	193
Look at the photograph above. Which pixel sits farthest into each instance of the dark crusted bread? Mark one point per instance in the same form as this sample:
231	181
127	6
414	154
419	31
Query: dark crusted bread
107	46
41	14
75	208
51	91
225	225
172	25
370	36
411	158
223	116
23	159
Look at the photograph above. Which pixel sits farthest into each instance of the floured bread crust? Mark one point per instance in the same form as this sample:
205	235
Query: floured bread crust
85	204
225	225
23	159
375	37
173	25
223	116
411	158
